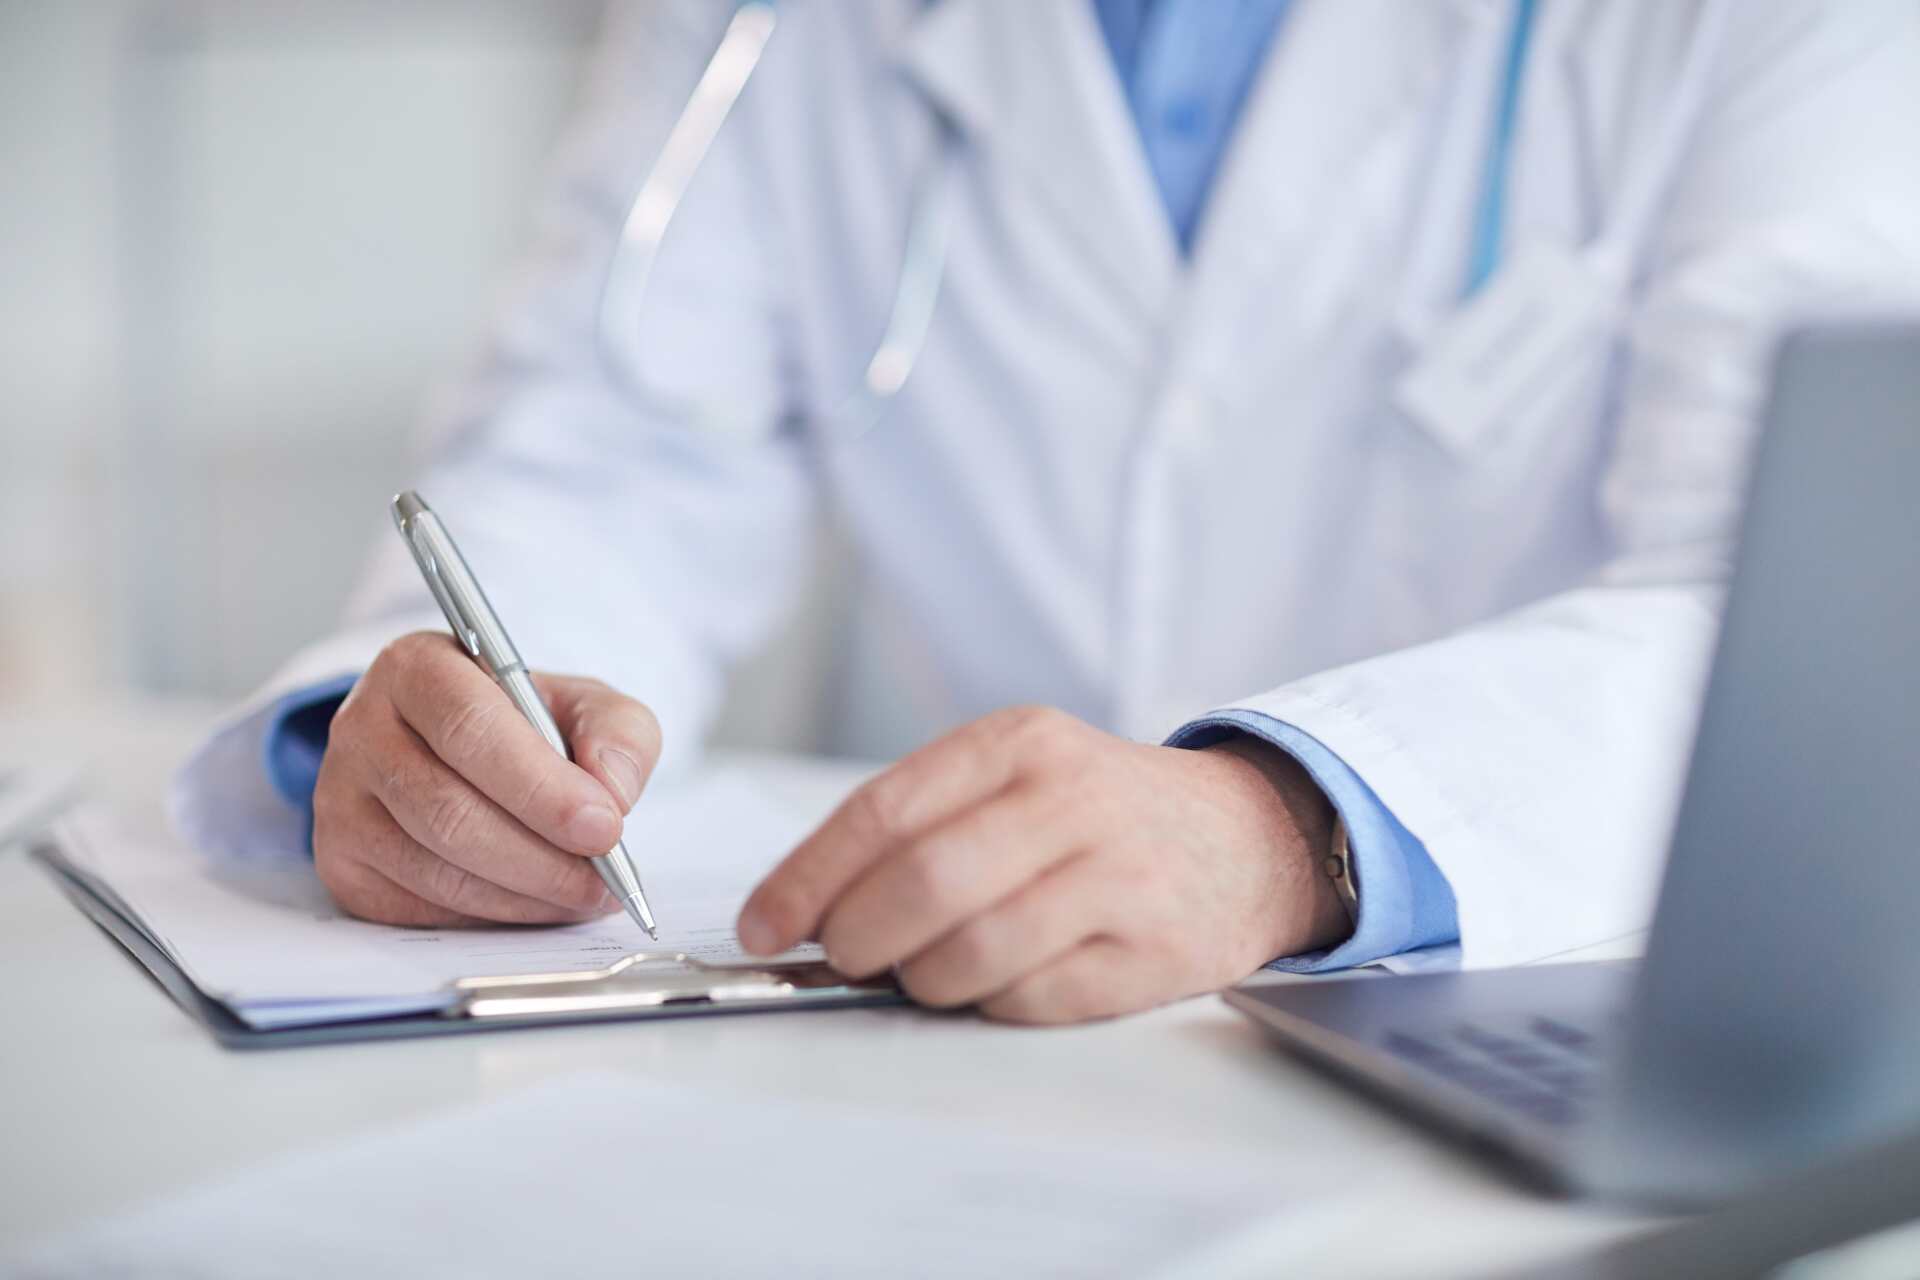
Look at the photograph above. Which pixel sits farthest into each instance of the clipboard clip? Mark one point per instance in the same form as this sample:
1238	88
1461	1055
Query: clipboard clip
646	980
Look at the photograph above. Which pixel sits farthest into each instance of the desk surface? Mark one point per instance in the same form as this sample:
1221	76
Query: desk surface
110	1096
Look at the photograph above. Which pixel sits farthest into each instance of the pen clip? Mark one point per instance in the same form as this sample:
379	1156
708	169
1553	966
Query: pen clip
463	629
416	523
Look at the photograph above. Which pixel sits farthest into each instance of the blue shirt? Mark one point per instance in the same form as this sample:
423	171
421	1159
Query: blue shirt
1186	67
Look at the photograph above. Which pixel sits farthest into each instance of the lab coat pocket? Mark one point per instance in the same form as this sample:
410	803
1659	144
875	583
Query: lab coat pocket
1547	441
1507	512
1517	346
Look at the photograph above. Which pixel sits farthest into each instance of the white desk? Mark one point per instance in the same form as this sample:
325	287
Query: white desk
109	1095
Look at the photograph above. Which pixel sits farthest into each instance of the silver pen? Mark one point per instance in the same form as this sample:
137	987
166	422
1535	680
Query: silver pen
479	631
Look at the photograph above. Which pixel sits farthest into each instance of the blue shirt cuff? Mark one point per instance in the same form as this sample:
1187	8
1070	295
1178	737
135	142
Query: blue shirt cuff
296	738
1405	900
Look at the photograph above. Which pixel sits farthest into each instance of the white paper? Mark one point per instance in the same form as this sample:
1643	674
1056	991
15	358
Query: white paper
29	797
598	1174
266	940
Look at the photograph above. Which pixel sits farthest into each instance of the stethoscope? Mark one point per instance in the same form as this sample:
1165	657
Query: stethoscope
1455	348
916	286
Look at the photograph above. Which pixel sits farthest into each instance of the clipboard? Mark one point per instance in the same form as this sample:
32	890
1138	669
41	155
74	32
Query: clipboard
639	986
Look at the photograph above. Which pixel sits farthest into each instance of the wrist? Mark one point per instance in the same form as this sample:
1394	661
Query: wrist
1293	829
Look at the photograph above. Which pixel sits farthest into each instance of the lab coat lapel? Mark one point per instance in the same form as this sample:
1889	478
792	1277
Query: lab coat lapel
1032	86
1345	81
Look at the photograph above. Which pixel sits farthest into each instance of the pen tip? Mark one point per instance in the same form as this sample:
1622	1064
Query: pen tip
637	909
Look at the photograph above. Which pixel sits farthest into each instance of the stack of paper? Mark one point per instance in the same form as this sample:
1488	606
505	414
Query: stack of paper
596	1174
266	941
30	797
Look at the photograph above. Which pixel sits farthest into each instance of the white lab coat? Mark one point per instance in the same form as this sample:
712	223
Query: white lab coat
1143	488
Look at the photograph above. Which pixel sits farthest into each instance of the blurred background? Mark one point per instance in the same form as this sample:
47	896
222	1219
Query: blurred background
240	240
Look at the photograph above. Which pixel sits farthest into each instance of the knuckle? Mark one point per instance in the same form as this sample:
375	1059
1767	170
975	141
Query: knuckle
623	725
327	866
404	660
395	781
450	886
1043	998
1046	1011
360	724
931	984
876	809
951	974
1039	727
528	801
346	886
1005	724
1069	998
1033	717
433	673
333	816
1011	1006
326	841
469	727
385	663
350	719
413	645
930	872
326	790
645	730
451	815
970	949
350	898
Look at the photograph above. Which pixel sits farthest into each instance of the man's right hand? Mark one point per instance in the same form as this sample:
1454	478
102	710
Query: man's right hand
438	804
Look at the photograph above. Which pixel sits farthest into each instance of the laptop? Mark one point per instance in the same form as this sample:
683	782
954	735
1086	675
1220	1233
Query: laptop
1775	1018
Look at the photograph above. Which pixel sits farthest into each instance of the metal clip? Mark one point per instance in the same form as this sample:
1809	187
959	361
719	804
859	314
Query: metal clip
642	980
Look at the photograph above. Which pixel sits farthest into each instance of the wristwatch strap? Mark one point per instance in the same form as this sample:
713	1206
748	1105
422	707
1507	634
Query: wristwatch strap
1339	869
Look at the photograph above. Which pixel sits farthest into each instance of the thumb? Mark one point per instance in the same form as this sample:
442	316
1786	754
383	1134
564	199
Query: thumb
613	737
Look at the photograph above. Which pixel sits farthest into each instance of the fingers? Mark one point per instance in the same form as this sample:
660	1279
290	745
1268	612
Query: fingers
384	846
362	891
472	726
613	737
926	787
1100	978
995	949
937	880
447	818
435	790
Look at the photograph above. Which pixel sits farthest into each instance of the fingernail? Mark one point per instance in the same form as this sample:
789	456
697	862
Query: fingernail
756	935
624	772
594	827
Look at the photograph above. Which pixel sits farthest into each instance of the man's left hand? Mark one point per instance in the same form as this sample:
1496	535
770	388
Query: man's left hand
1050	872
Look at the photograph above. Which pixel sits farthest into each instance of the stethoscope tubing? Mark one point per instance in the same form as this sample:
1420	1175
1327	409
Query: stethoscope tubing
924	258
